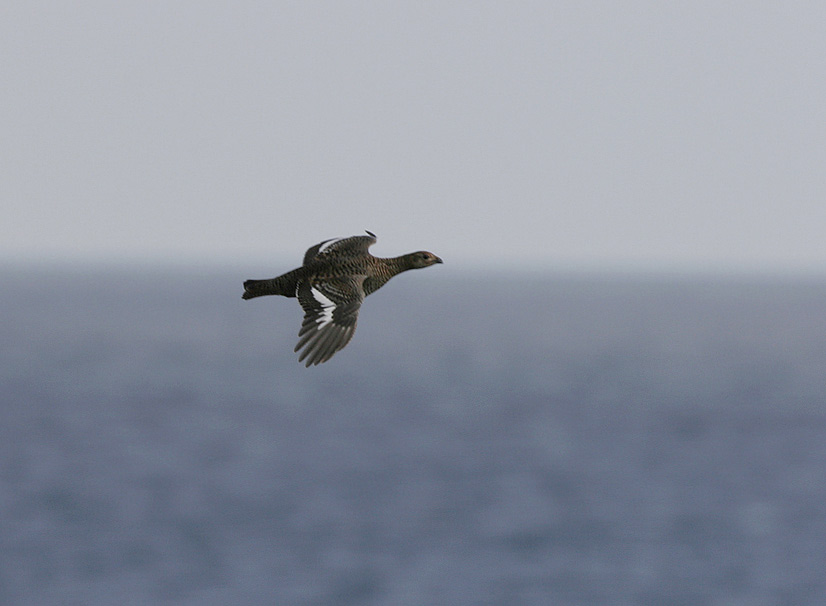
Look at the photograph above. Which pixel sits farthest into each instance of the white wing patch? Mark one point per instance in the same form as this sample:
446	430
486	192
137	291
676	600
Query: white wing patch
327	245
327	307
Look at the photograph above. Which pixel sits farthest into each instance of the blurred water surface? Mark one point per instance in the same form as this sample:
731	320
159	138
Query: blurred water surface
540	440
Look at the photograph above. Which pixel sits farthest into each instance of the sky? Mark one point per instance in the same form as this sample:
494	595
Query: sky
552	135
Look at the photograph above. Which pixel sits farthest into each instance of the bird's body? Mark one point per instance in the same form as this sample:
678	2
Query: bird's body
330	285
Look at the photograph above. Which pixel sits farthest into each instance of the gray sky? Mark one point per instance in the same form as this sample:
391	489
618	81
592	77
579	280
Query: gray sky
652	135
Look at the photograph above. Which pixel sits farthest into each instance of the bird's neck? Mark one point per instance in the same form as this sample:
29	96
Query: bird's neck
399	264
385	269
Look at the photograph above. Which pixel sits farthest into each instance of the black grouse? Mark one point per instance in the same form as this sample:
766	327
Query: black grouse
331	284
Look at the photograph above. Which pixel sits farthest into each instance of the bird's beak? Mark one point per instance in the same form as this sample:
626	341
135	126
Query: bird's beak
438	260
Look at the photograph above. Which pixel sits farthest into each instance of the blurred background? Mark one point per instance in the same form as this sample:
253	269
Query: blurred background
565	134
611	393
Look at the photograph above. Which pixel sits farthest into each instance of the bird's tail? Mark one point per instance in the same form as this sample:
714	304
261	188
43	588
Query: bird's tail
258	288
282	285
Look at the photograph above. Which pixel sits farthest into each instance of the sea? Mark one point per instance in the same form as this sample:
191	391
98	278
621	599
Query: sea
485	439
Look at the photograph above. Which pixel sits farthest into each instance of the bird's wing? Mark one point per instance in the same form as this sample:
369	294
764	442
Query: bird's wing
331	308
354	245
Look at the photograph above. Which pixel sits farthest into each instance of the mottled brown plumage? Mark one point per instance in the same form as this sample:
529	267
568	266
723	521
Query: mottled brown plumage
331	284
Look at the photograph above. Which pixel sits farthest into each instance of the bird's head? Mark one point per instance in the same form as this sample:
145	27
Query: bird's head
423	259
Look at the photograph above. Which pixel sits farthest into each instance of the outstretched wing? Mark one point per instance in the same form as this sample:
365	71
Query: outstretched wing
354	245
331	308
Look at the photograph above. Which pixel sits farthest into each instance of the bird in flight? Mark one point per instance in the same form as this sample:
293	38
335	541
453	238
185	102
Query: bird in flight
330	285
